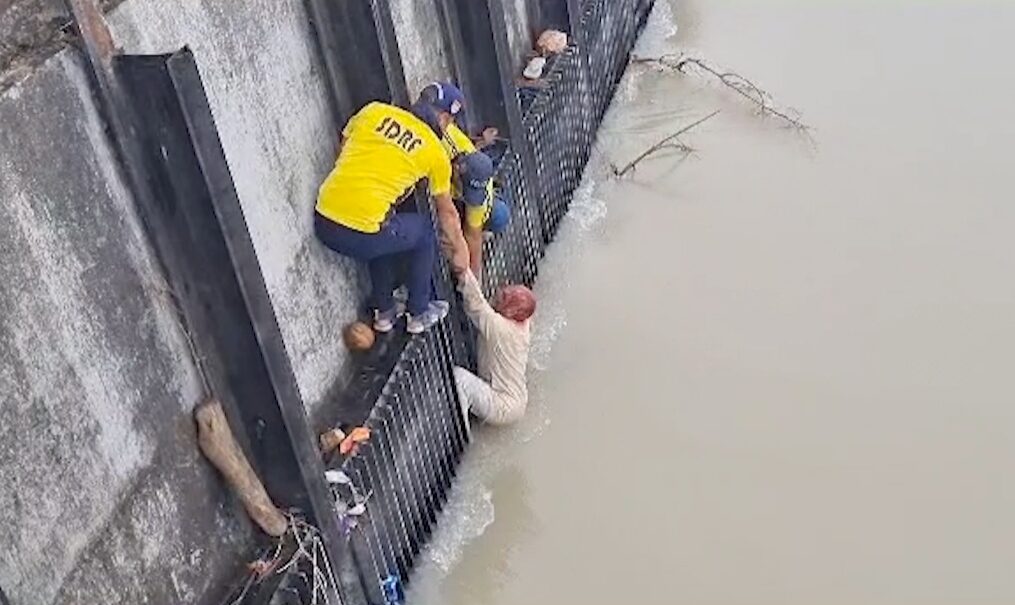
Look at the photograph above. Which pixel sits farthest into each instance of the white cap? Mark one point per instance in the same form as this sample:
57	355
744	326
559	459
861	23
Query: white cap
534	70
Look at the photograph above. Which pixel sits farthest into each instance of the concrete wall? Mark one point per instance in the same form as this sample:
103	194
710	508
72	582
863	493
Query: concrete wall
424	56
519	30
29	31
266	86
104	498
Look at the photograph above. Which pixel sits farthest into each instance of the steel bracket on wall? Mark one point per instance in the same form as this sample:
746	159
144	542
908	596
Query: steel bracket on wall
355	37
165	137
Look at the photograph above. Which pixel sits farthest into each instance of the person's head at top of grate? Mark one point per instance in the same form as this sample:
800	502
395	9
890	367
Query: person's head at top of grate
385	152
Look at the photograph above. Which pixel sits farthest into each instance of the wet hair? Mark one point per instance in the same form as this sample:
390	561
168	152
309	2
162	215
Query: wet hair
517	303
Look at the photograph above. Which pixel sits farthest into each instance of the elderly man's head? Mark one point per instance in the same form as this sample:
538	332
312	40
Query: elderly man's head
515	302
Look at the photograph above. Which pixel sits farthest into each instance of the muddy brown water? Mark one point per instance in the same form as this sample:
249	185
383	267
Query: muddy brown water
774	373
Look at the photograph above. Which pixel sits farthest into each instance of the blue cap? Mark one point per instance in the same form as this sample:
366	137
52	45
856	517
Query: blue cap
446	97
477	170
500	216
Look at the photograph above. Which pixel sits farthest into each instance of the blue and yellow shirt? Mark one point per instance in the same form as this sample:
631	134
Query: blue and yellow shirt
457	143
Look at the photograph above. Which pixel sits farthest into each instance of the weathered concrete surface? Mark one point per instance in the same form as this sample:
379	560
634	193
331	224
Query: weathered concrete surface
102	484
519	29
29	32
424	56
267	91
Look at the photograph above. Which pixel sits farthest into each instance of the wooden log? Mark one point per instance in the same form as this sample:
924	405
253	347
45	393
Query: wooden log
218	444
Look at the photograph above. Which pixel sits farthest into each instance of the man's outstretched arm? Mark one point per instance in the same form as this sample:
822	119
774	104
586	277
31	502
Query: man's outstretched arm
474	240
452	241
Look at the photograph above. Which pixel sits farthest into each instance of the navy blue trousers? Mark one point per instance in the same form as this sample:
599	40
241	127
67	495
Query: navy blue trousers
406	239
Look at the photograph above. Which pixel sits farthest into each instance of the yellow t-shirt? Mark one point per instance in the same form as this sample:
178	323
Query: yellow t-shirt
387	150
457	143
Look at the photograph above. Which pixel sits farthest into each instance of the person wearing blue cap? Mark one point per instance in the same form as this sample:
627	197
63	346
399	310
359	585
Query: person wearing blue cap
386	151
472	185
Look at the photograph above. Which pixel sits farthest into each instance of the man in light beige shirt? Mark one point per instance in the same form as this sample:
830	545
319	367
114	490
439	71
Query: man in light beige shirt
498	395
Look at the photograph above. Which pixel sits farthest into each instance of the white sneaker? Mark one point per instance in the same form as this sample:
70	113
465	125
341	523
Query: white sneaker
433	315
384	322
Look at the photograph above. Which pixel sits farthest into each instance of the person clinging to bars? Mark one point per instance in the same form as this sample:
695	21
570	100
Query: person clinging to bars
498	395
484	210
385	152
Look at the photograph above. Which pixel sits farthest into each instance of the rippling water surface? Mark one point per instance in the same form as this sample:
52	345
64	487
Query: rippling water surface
777	372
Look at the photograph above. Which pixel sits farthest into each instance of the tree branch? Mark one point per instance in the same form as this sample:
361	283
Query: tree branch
669	142
732	80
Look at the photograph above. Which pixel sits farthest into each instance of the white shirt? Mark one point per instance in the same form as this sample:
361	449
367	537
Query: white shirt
503	352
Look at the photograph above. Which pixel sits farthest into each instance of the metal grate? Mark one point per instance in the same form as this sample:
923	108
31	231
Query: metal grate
418	430
512	256
402	475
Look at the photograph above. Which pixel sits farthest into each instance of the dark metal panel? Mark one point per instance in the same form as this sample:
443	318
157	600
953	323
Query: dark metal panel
329	43
477	29
552	14
574	19
392	57
451	31
360	50
250	280
186	231
196	222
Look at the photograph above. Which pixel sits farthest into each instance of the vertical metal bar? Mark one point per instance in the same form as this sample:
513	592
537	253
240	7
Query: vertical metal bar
379	560
451	31
431	436
400	482
383	450
397	442
459	423
424	429
447	444
384	517
418	464
381	469
400	94
574	15
286	405
330	45
448	394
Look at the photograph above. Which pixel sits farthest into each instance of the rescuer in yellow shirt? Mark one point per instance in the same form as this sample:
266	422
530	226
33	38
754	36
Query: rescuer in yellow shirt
385	152
472	185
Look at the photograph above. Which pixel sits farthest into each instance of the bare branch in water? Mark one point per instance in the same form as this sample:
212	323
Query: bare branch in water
734	81
669	142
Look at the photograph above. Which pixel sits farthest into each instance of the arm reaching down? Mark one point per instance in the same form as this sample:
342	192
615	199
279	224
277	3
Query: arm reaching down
452	240
474	240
